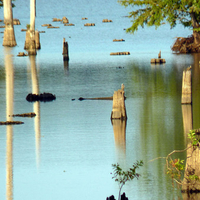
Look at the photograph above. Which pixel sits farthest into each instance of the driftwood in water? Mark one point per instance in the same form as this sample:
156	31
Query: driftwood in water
31	114
40	97
118	40
96	98
11	123
119	53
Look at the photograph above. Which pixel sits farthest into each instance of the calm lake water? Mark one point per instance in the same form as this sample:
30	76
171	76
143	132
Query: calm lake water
67	150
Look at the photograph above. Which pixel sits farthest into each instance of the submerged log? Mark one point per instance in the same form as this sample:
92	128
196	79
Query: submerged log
57	20
69	24
53	27
11	123
40	97
96	98
89	24
106	20
31	114
120	53
46	25
118	40
119	109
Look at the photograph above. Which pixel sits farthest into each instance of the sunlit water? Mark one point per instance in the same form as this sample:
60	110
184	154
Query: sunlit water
67	150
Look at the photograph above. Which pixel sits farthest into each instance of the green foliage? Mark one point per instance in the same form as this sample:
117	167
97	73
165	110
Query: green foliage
28	26
157	12
193	138
193	177
122	177
176	168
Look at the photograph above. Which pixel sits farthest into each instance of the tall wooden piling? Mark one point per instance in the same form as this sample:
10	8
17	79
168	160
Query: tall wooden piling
65	51
187	86
119	109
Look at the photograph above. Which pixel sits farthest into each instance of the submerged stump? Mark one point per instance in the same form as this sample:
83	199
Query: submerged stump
65	51
32	42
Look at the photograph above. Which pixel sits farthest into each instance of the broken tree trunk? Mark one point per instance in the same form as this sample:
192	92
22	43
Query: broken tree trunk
187	86
65	51
119	109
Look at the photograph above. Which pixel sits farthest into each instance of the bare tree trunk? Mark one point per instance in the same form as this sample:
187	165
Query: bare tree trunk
195	25
196	37
32	46
32	41
9	34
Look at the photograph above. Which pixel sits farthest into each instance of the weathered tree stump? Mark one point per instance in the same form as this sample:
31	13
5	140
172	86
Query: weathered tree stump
119	109
123	197
16	22
65	51
111	198
65	20
187	86
158	60
191	183
31	44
